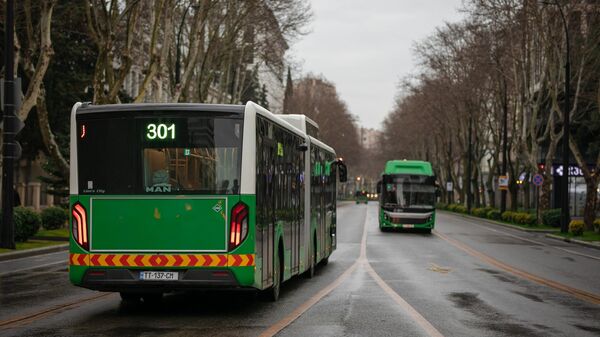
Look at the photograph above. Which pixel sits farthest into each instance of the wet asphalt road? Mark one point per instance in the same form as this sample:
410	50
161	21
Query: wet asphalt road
457	293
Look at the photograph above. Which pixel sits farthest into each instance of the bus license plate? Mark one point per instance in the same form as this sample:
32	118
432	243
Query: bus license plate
159	276
408	226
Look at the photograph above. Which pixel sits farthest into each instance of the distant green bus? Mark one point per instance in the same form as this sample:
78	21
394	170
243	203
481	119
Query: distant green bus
407	194
361	197
169	197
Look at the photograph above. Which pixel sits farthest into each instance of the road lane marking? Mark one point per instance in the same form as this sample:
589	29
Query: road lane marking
524	239
583	295
294	315
438	269
409	309
289	319
43	313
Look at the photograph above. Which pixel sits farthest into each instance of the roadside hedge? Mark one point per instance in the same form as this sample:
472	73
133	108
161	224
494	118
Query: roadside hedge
551	217
54	217
27	223
576	227
494	215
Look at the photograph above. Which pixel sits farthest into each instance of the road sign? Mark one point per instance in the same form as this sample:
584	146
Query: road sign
503	182
449	186
538	180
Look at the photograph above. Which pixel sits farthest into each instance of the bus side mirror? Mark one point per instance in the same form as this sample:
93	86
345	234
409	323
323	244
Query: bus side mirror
302	147
379	183
343	170
438	193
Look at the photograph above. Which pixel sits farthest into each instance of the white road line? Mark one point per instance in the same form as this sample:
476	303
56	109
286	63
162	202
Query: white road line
409	309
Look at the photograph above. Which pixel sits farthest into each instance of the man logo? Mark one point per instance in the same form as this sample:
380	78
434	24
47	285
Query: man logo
158	188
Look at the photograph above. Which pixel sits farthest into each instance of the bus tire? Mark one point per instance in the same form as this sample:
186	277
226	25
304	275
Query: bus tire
130	297
272	294
310	272
325	261
428	230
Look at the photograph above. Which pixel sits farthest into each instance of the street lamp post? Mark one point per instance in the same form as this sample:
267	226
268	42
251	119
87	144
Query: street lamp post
7	239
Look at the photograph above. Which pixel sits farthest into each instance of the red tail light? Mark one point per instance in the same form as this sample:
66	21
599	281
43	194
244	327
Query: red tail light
80	227
238	229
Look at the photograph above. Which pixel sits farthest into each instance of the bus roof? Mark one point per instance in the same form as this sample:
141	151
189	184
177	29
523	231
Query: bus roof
408	167
90	108
299	121
320	144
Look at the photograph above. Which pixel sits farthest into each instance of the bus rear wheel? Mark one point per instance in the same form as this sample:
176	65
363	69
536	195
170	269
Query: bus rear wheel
272	294
310	272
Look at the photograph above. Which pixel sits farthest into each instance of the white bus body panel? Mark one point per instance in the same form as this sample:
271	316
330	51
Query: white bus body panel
73	177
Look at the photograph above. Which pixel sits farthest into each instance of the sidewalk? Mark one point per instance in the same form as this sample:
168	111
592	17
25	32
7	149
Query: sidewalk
593	244
548	232
519	228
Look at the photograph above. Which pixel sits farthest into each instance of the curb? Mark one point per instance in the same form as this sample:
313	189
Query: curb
33	252
529	230
50	238
575	241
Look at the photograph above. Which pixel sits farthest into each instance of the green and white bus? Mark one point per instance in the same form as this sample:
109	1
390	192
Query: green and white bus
407	194
168	197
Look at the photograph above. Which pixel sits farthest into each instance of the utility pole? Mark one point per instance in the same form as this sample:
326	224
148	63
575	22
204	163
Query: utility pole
7	240
504	143
469	163
449	171
565	219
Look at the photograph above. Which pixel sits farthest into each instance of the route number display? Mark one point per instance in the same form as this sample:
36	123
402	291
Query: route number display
160	131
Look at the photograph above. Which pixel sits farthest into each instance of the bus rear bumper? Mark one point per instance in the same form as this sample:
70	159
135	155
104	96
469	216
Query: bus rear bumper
387	224
128	280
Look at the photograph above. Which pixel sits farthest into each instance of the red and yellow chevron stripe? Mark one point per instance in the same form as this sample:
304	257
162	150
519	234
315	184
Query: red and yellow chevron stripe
166	260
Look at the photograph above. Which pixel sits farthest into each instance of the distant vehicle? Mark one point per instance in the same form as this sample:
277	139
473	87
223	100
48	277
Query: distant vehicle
361	197
407	194
170	197
372	196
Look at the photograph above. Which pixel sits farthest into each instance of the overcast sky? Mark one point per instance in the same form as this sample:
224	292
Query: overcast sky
365	47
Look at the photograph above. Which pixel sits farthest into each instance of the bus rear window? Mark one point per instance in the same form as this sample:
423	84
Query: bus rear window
160	154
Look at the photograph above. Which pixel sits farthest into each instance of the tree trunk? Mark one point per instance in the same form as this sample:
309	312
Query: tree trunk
591	200
47	135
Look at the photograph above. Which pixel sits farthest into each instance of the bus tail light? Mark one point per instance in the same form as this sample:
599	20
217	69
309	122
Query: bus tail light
80	226
238	229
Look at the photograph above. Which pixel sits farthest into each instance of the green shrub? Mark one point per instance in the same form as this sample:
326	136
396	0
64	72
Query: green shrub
508	216
525	218
479	212
460	209
551	217
54	217
576	227
441	205
597	225
452	207
27	223
494	215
